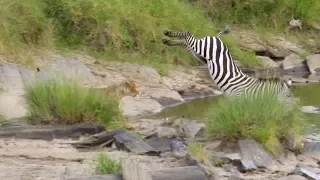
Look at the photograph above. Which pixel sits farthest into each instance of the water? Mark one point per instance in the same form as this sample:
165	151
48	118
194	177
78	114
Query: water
309	95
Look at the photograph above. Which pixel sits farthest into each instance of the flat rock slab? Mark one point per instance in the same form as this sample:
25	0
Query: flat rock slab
308	172
49	134
253	154
24	159
132	143
99	139
179	173
98	177
161	144
136	169
292	177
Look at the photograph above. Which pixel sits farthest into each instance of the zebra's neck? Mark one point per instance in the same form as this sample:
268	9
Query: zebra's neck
223	70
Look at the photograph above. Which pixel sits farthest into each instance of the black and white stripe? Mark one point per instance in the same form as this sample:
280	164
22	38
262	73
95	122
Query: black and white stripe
224	72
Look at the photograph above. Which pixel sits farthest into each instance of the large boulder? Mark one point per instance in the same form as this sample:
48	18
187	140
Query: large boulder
267	62
165	97
138	106
313	62
292	61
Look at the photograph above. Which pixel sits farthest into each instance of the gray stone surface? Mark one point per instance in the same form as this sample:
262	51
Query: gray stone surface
98	177
313	62
253	154
292	177
292	61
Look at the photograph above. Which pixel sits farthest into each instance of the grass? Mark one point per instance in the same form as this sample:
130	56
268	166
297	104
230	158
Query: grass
261	118
64	99
106	165
111	30
269	14
2	119
197	151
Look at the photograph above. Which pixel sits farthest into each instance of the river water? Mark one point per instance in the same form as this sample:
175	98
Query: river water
309	95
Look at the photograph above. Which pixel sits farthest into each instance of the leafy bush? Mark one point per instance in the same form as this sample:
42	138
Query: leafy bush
63	98
106	165
261	118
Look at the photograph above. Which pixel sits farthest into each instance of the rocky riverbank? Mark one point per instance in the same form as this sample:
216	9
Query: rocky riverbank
51	152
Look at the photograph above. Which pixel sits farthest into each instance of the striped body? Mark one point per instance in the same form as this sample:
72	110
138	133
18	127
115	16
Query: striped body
224	72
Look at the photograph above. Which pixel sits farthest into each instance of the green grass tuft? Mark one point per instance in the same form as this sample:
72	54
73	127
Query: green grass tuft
197	151
106	165
64	99
262	118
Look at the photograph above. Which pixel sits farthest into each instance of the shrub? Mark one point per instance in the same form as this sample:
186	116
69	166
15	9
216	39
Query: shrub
63	98
261	118
106	165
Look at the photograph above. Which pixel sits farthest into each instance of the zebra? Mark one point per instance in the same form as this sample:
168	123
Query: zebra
224	72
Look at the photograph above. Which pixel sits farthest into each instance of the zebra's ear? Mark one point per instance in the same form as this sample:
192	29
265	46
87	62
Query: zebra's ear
288	82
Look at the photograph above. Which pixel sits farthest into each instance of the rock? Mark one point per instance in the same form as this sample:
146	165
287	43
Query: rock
179	173
286	46
128	141
178	148
49	134
294	143
267	62
213	145
288	162
235	174
165	97
166	132
137	106
253	154
142	75
310	173
313	62
161	144
313	78
292	177
192	128
67	66
226	158
98	177
12	104
244	165
312	149
98	139
310	109
138	169
292	61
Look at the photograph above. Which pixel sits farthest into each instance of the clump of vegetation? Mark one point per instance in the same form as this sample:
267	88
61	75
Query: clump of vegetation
2	119
65	99
261	118
106	165
197	151
264	13
111	29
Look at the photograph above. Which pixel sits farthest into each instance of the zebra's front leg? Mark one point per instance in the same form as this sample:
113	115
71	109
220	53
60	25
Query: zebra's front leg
170	33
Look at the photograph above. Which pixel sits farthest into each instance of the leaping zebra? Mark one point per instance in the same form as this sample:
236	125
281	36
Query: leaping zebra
224	72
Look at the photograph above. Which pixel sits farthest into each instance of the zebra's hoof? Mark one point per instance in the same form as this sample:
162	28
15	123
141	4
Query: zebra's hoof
164	41
166	32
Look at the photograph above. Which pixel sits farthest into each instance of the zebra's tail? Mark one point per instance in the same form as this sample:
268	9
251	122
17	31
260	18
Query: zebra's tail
225	30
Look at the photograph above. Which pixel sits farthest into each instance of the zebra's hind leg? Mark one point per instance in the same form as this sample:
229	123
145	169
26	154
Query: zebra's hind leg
170	33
